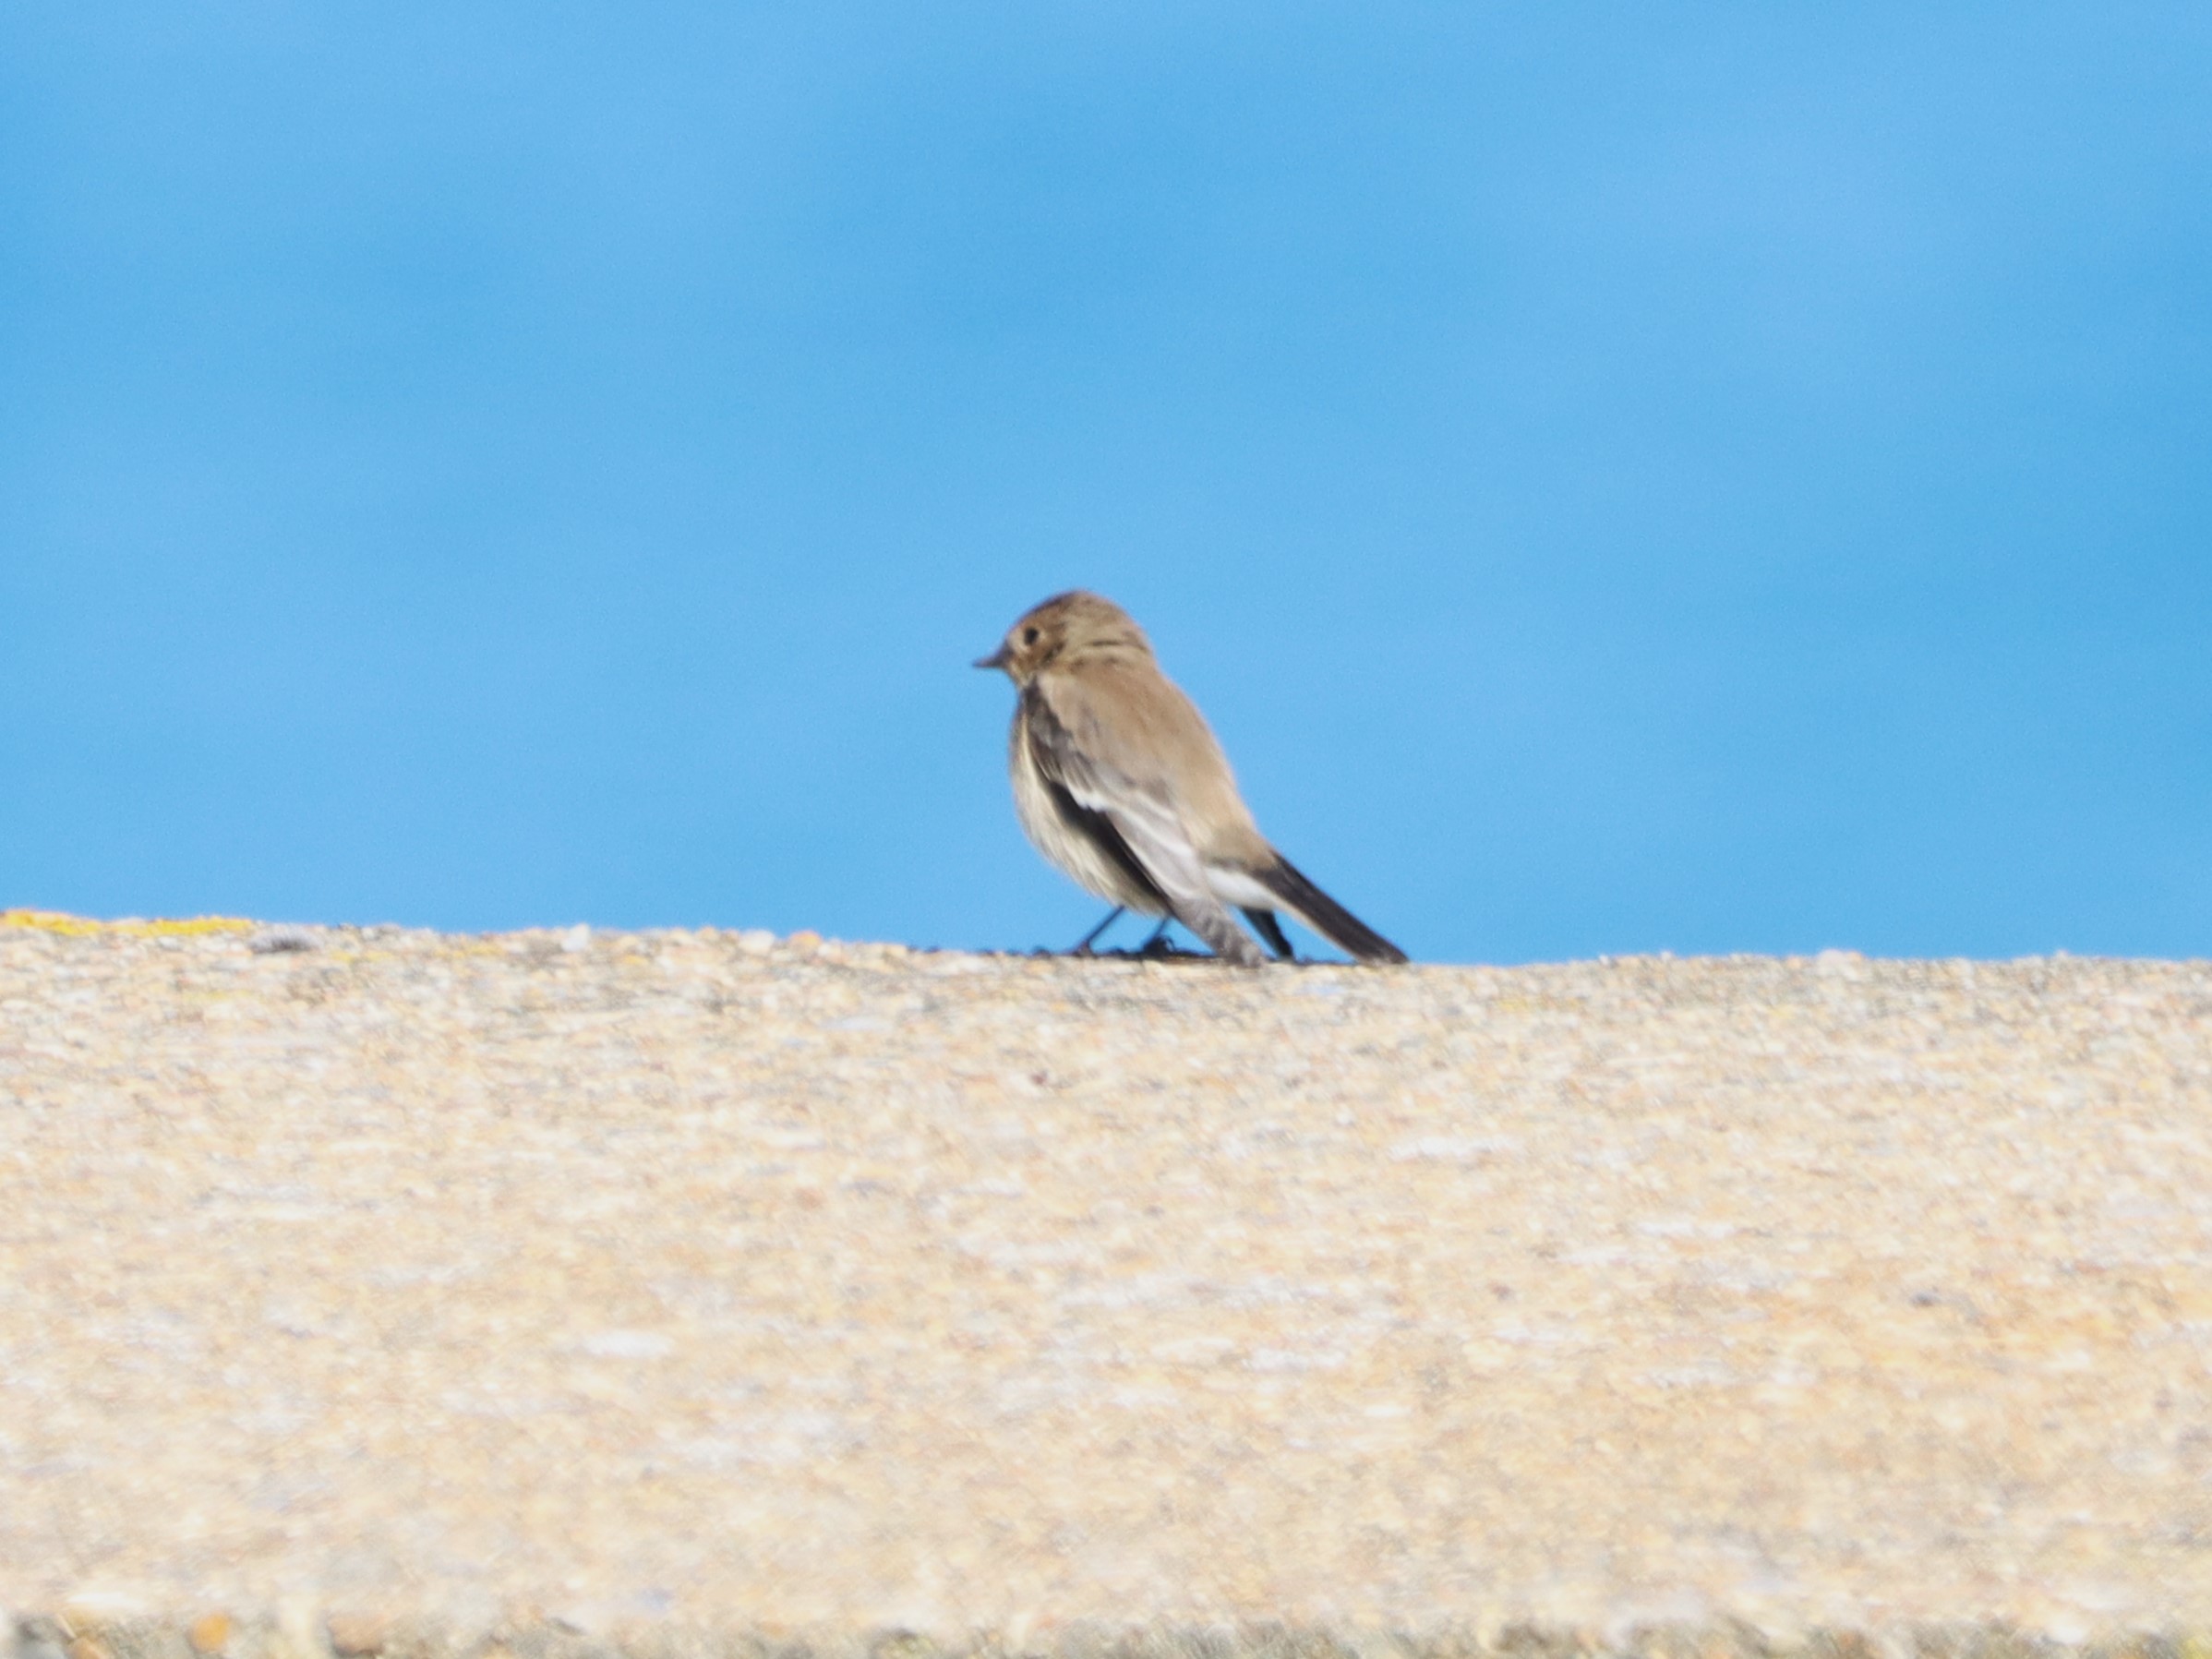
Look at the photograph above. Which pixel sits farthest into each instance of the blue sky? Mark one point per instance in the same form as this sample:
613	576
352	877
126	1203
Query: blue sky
1710	477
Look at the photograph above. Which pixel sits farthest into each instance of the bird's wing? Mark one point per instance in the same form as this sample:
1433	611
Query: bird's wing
1100	830
1140	808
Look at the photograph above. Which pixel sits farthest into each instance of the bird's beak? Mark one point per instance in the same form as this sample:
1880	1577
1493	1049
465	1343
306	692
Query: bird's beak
997	659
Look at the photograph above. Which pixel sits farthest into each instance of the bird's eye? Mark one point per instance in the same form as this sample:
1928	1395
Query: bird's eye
1029	636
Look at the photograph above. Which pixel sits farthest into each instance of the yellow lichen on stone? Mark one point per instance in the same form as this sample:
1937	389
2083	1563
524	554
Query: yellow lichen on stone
48	921
61	921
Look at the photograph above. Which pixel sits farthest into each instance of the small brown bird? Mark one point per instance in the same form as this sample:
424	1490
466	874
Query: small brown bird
1120	782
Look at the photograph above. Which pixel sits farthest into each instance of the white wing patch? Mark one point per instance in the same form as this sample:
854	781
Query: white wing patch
1157	836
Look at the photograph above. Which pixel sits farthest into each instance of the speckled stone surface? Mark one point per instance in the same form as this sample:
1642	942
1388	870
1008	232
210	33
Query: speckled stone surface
703	1281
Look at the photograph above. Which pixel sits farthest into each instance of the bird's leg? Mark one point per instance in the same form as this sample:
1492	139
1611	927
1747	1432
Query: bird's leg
1158	945
1111	915
1266	927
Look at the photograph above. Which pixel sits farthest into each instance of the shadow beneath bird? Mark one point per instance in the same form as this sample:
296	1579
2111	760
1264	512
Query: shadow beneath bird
1158	947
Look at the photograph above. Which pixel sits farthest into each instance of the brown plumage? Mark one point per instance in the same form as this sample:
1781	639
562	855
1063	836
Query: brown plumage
1119	782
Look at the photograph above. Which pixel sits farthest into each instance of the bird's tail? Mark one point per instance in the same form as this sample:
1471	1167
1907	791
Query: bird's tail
1324	915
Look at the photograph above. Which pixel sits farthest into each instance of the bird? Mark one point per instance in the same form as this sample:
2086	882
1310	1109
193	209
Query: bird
1120	783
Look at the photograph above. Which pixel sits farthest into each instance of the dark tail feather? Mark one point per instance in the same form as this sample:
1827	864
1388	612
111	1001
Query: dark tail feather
1266	927
1324	915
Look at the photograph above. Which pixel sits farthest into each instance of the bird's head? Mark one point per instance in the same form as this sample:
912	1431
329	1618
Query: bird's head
1063	629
